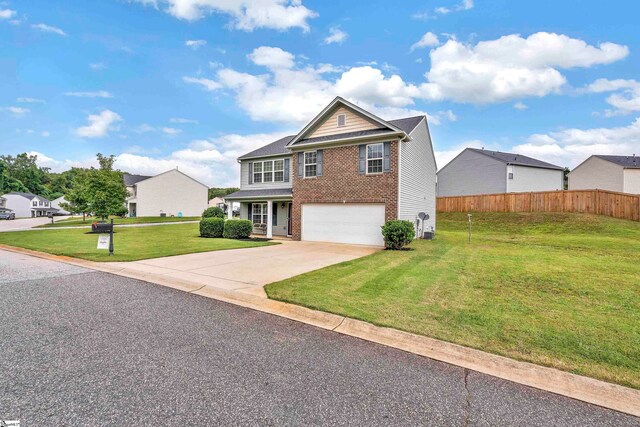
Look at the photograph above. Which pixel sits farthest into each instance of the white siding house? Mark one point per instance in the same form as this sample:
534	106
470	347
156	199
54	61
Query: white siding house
28	205
479	171
171	193
613	173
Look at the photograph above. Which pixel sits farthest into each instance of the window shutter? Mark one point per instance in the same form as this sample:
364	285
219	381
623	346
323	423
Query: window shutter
387	157
300	164
250	173
362	159
250	211
286	170
275	213
319	161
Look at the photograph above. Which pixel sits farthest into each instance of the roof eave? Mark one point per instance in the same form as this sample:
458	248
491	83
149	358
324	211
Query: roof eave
354	139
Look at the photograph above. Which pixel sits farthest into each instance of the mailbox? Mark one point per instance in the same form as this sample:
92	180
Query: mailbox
101	227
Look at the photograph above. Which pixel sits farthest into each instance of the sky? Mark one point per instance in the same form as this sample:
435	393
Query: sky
194	84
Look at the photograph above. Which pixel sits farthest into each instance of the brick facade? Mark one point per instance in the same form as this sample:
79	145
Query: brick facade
341	183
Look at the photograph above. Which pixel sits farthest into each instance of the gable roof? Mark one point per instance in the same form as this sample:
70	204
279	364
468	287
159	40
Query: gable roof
516	159
627	162
130	179
178	171
274	149
29	196
299	138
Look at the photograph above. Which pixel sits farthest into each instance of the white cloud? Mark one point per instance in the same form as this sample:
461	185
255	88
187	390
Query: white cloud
336	35
511	66
144	128
45	134
520	106
208	84
294	94
463	5
31	100
195	44
97	66
626	100
572	146
49	29
183	120
246	15
170	131
7	13
16	111
99	124
427	40
96	94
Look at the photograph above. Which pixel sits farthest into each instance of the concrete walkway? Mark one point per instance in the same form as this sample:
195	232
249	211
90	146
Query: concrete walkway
248	270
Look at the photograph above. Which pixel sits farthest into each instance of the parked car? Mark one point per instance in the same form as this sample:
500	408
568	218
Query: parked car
7	215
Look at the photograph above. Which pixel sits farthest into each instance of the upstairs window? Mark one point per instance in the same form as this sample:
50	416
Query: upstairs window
310	164
267	175
375	153
278	170
342	120
257	172
268	171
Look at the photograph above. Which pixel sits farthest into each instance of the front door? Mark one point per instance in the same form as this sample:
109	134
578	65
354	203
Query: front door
289	220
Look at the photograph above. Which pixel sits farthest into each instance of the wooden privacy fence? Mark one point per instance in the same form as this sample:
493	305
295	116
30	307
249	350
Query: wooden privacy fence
600	202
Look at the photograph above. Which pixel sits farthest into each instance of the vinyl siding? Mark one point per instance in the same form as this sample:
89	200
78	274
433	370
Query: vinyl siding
244	175
417	192
472	173
279	229
170	193
20	206
355	122
632	181
597	173
534	179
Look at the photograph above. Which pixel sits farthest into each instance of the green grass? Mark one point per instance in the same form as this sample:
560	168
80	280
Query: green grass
560	290
131	243
75	221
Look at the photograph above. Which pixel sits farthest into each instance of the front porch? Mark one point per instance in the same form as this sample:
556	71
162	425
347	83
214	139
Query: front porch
268	210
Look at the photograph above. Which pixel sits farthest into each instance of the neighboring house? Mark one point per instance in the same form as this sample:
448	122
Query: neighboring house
613	173
55	203
3	205
28	205
340	178
480	171
217	202
171	193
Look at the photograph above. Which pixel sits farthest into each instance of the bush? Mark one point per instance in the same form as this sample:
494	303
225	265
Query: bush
211	227
398	233
237	229
215	212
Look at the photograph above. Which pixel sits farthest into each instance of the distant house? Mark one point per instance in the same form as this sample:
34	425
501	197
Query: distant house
55	203
28	205
171	193
479	171
217	202
3	205
613	173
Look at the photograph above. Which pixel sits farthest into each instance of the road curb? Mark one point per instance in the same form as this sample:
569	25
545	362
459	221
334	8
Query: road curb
607	395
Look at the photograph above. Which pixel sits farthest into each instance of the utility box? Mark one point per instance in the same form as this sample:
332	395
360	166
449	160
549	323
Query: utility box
428	235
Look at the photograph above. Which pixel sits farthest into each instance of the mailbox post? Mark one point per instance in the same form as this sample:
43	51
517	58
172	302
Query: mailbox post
111	239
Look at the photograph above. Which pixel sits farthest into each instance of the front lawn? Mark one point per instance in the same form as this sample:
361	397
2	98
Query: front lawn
75	221
560	290
131	243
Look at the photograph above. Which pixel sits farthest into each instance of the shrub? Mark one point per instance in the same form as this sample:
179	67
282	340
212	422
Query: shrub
211	227
215	212
398	233
237	229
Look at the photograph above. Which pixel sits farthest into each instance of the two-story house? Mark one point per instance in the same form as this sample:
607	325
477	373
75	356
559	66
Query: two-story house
28	205
340	178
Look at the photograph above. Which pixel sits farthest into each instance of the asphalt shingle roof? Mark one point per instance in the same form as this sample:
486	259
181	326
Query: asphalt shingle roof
278	192
130	179
628	162
280	146
29	196
516	159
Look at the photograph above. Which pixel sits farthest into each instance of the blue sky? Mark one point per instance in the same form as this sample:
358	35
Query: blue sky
196	83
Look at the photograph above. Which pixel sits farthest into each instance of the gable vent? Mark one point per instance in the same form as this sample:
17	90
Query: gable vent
342	120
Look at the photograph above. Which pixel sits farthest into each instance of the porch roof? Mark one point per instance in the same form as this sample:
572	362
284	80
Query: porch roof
275	193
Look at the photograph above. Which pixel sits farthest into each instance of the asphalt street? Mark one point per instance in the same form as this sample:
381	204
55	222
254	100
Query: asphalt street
84	348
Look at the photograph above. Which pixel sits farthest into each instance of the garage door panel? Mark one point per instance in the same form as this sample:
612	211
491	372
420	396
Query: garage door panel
343	223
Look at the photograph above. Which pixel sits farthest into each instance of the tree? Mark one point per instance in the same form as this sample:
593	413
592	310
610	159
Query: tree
77	196
221	192
24	173
105	191
566	178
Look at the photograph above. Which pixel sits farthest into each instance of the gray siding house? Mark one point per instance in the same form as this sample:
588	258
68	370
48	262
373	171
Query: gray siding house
479	171
613	173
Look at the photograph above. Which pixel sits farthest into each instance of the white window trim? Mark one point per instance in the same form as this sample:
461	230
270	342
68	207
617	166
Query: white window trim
272	172
366	154
338	120
264	211
305	164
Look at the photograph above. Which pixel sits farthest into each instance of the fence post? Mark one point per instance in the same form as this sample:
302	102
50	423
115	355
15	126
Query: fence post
598	207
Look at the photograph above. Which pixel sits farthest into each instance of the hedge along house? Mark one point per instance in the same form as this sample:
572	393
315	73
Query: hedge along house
340	178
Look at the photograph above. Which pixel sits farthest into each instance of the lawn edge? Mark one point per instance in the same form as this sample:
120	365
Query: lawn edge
590	390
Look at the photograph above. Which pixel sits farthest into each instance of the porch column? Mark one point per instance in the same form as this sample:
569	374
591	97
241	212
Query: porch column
269	219
230	210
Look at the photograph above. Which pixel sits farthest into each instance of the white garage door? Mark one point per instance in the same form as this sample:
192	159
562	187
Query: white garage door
343	223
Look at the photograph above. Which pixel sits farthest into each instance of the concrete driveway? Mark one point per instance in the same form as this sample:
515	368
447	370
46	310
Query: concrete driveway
248	270
26	223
